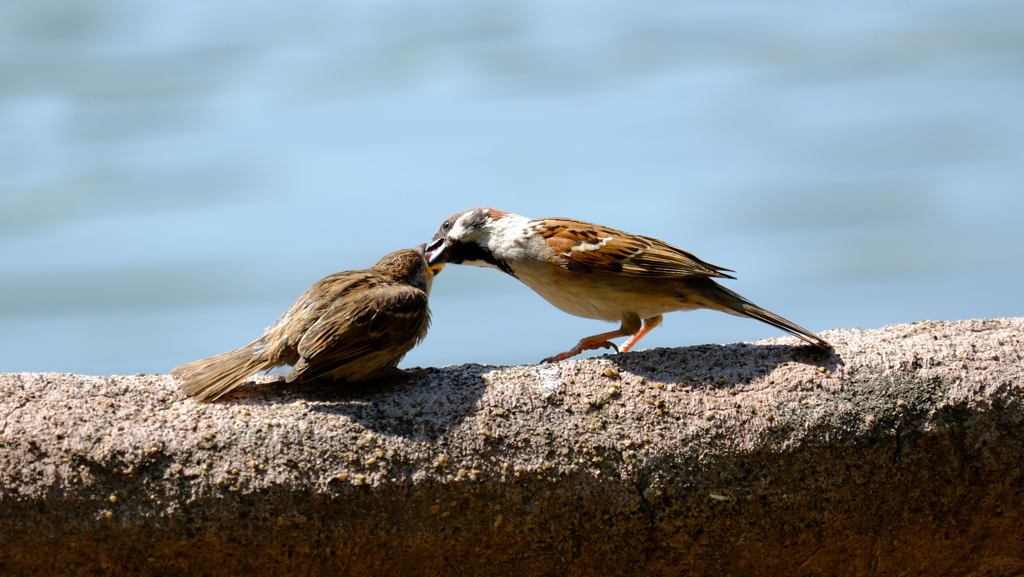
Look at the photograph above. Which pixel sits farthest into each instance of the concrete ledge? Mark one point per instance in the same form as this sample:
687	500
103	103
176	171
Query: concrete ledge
901	454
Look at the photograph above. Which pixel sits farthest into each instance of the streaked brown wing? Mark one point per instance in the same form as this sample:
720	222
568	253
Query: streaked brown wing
384	317
594	249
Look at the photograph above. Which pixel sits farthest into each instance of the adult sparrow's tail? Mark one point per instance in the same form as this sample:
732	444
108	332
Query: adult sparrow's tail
734	304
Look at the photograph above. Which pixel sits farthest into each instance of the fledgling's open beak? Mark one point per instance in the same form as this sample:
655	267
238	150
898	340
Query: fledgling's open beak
433	268
435	255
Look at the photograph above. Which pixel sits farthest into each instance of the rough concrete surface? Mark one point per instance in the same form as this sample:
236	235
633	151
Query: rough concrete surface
901	454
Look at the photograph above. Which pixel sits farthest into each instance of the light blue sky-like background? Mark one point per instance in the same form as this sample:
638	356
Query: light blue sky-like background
174	174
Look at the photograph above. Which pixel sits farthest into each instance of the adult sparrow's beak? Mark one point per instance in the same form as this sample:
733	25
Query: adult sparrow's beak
435	254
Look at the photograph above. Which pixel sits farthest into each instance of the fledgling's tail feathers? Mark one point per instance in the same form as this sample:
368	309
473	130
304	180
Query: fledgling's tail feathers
744	308
209	379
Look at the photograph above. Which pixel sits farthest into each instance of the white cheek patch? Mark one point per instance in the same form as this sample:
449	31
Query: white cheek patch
458	231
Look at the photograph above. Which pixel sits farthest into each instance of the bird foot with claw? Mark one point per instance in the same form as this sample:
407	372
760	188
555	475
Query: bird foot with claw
579	348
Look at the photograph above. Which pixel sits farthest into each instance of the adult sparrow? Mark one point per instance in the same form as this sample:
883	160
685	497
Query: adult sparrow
348	327
596	272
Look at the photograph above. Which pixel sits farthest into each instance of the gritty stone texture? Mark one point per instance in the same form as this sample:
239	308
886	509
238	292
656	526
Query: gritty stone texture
901	454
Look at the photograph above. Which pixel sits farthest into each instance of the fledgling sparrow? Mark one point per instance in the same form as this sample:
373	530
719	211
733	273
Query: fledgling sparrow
350	326
596	272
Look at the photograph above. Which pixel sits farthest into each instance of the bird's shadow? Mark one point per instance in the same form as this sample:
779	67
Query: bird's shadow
423	407
427	406
720	366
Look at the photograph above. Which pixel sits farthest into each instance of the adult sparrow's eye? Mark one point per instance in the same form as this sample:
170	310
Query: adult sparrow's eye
447	225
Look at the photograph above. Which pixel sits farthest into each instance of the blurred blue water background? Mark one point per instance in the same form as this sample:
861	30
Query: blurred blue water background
174	174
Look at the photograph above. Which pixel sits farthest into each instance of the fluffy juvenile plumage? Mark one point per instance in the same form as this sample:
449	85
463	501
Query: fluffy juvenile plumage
350	326
596	272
